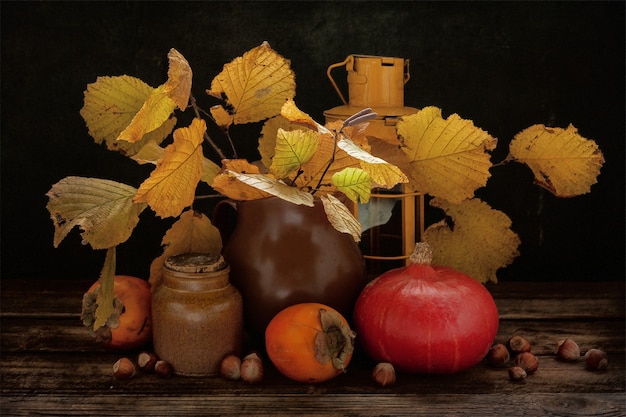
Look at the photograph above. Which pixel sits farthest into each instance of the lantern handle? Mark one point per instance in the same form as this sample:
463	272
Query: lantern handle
332	81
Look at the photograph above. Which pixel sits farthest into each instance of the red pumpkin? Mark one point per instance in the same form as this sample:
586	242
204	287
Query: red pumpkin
425	318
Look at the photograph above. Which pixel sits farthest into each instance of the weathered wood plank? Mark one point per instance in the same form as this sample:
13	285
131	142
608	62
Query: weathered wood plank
69	335
62	298
444	405
91	374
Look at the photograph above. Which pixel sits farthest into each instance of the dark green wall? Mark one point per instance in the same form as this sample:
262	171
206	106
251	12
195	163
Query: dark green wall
505	65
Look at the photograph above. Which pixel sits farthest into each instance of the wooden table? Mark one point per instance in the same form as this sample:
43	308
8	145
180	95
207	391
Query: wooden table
51	366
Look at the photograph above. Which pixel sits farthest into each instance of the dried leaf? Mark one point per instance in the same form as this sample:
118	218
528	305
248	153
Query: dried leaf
106	294
155	111
267	141
171	186
209	171
103	210
149	154
293	149
382	173
354	183
221	117
291	112
340	216
255	85
179	76
448	157
240	186
193	232
480	242
563	162
109	107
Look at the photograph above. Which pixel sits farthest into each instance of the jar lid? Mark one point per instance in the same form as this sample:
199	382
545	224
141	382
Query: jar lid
195	263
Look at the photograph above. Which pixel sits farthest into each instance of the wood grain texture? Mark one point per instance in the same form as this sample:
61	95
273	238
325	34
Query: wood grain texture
50	365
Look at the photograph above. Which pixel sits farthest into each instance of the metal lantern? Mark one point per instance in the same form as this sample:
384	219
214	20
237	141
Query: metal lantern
393	220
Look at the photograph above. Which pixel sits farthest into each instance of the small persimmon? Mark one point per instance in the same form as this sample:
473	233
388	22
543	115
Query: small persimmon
130	325
309	342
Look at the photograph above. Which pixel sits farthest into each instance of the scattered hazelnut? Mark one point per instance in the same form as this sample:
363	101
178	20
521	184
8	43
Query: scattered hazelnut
123	369
518	344
163	369
527	361
230	367
596	360
384	374
146	361
517	373
568	350
252	369
498	355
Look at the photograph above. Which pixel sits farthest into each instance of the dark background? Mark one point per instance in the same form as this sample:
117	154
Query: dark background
505	65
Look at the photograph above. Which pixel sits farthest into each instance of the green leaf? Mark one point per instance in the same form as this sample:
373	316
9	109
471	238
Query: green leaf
355	183
106	294
103	209
293	148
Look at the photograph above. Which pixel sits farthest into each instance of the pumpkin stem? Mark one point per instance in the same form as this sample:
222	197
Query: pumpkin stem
422	254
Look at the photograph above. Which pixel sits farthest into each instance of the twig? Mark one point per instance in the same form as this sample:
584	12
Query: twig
196	110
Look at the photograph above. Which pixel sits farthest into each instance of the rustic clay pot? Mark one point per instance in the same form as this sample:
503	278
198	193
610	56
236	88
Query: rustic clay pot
282	254
197	315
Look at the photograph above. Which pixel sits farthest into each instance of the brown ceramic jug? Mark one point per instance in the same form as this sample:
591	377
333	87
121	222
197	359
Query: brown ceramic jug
282	254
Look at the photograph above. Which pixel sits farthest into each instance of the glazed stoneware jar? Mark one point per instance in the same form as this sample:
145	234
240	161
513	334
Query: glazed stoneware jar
197	314
282	254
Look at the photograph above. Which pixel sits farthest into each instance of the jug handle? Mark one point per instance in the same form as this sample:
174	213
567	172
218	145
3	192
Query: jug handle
330	68
225	219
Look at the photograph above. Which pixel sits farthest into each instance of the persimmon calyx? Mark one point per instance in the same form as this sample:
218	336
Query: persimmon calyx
335	343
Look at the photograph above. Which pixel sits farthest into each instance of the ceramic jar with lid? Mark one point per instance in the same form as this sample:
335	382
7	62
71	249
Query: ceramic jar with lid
197	314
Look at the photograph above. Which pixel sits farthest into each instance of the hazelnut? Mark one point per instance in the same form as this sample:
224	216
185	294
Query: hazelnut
498	355
596	360
163	369
517	373
146	361
230	367
252	369
518	344
384	374
528	362
568	350
123	369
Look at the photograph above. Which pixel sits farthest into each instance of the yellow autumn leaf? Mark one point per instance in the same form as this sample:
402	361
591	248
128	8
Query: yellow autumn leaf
291	112
448	157
340	217
222	118
171	186
480	243
102	209
209	171
267	141
293	149
255	85
355	183
193	232
110	105
106	294
179	76
563	162
155	111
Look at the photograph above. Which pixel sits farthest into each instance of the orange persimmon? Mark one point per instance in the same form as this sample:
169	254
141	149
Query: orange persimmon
309	342
130	325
